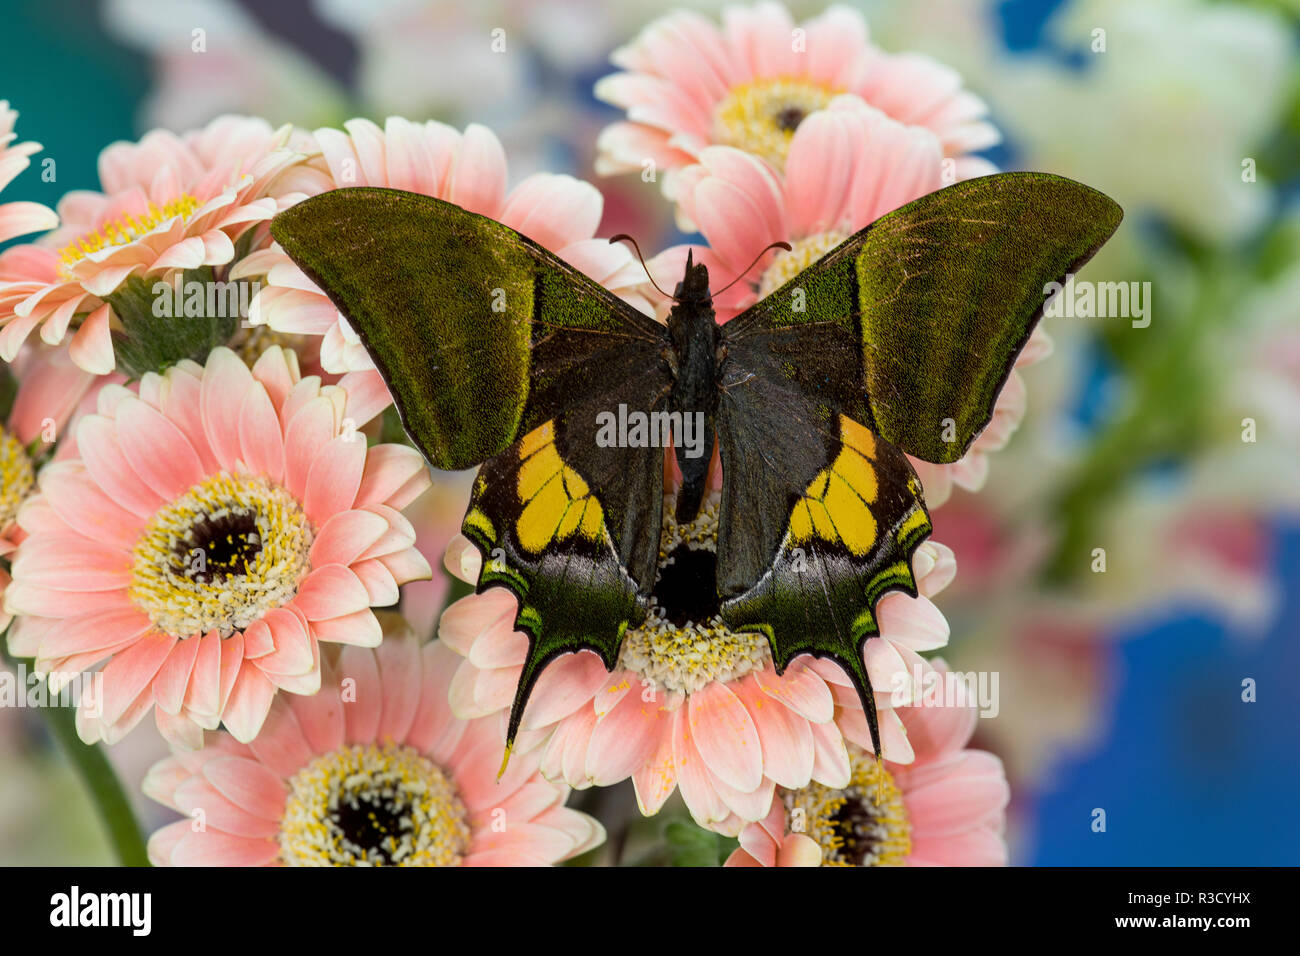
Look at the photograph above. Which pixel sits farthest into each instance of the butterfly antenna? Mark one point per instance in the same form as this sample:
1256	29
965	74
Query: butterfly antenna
776	245
624	237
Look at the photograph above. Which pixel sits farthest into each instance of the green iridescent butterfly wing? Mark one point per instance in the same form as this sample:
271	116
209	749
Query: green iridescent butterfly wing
497	351
898	340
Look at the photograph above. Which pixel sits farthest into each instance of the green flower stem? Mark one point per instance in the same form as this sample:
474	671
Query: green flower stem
105	789
101	780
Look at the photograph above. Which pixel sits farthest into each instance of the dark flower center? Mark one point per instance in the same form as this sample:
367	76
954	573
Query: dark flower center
789	118
857	826
372	823
215	549
687	590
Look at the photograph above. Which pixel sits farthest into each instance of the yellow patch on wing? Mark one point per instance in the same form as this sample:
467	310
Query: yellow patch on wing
858	437
835	505
557	502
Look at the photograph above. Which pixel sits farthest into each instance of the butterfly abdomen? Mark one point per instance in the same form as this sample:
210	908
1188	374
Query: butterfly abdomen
693	329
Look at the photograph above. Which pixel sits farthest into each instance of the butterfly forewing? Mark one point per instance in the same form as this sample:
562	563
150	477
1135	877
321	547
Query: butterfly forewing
453	308
941	296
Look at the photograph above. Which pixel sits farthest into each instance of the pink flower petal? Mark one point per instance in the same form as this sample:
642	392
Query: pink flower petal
360	629
478	179
363	694
801	688
624	739
693	776
786	737
343	538
330	591
131	672
726	737
656	779
99	448
566	684
214	848
334	477
399	673
281	746
158	451
226	380
261	444
248	703
174	676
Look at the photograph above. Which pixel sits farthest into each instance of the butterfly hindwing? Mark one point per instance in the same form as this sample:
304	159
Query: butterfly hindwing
819	516
940	296
547	527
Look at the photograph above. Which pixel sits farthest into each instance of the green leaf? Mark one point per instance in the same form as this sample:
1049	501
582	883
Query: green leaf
690	845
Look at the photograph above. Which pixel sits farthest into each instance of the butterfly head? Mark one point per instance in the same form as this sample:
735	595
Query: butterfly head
694	287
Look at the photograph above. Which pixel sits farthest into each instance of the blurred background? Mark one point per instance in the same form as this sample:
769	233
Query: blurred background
1161	690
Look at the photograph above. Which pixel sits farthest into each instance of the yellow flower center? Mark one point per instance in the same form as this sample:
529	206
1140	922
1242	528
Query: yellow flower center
250	341
17	477
125	229
865	824
683	644
786	265
373	806
220	556
761	117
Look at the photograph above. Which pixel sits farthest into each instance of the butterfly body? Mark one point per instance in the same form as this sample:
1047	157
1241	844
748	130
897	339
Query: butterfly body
697	356
896	342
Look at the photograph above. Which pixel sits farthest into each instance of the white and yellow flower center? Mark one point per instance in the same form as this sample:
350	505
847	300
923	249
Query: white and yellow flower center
761	117
17	477
683	644
373	805
125	229
803	253
220	556
865	824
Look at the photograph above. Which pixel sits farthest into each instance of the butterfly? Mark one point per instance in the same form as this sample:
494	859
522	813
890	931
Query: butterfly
896	342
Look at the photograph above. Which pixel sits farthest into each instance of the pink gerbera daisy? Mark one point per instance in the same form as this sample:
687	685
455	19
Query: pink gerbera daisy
752	84
372	771
169	202
469	169
946	808
848	165
49	390
691	704
18	218
211	530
